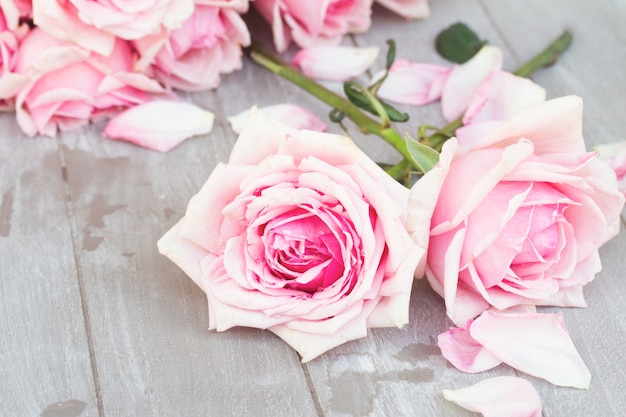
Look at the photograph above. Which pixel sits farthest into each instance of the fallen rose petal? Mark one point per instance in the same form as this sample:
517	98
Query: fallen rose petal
288	114
462	351
465	80
537	344
334	63
160	125
501	96
502	396
413	84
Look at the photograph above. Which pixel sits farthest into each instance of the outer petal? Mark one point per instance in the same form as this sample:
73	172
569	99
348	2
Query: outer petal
413	84
465	80
502	396
288	114
537	344
160	125
501	96
458	347
334	63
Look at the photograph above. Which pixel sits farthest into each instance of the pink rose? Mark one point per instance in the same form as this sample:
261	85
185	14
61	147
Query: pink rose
94	24
301	234
314	22
10	83
192	57
520	216
67	86
411	9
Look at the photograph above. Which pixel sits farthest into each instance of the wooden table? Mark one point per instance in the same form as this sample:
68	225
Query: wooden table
94	322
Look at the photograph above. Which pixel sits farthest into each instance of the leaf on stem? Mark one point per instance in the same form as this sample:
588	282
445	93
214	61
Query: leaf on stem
356	95
422	156
458	43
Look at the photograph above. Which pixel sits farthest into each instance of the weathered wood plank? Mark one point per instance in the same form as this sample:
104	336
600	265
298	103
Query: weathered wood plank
154	354
44	354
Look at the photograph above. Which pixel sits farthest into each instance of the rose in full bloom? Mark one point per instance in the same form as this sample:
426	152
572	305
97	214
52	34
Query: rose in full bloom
64	86
94	24
521	214
314	22
10	83
300	233
192	57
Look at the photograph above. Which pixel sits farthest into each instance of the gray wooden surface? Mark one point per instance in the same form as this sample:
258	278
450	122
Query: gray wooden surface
94	322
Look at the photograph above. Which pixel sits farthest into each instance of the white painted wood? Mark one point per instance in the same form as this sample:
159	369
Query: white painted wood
146	321
44	354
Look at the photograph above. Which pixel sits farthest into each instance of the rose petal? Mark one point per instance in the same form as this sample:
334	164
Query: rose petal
537	344
334	63
160	125
411	9
465	80
502	396
413	84
289	114
462	351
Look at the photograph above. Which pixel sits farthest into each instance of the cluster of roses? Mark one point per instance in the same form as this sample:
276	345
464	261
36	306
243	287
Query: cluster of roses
303	234
65	63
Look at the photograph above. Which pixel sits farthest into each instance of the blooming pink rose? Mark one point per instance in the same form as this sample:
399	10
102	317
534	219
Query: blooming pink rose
314	22
614	154
411	9
10	83
66	86
520	214
94	24
192	57
300	233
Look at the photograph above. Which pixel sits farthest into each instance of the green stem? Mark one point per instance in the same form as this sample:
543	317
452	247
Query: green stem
269	61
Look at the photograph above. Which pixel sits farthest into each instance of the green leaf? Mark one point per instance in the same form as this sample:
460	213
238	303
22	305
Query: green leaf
356	96
391	53
458	43
422	156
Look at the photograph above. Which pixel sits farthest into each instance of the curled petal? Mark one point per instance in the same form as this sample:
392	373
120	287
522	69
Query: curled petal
465	80
160	125
537	344
411	9
413	84
503	396
289	114
467	355
334	63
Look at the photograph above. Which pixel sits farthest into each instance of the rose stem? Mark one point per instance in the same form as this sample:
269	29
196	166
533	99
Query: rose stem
276	65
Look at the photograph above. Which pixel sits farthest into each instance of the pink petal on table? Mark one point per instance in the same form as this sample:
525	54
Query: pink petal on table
537	344
465	80
413	84
502	396
334	63
160	125
288	114
462	351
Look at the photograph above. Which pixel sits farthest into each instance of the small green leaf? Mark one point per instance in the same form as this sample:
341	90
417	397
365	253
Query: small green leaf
391	53
422	156
336	115
356	96
458	43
